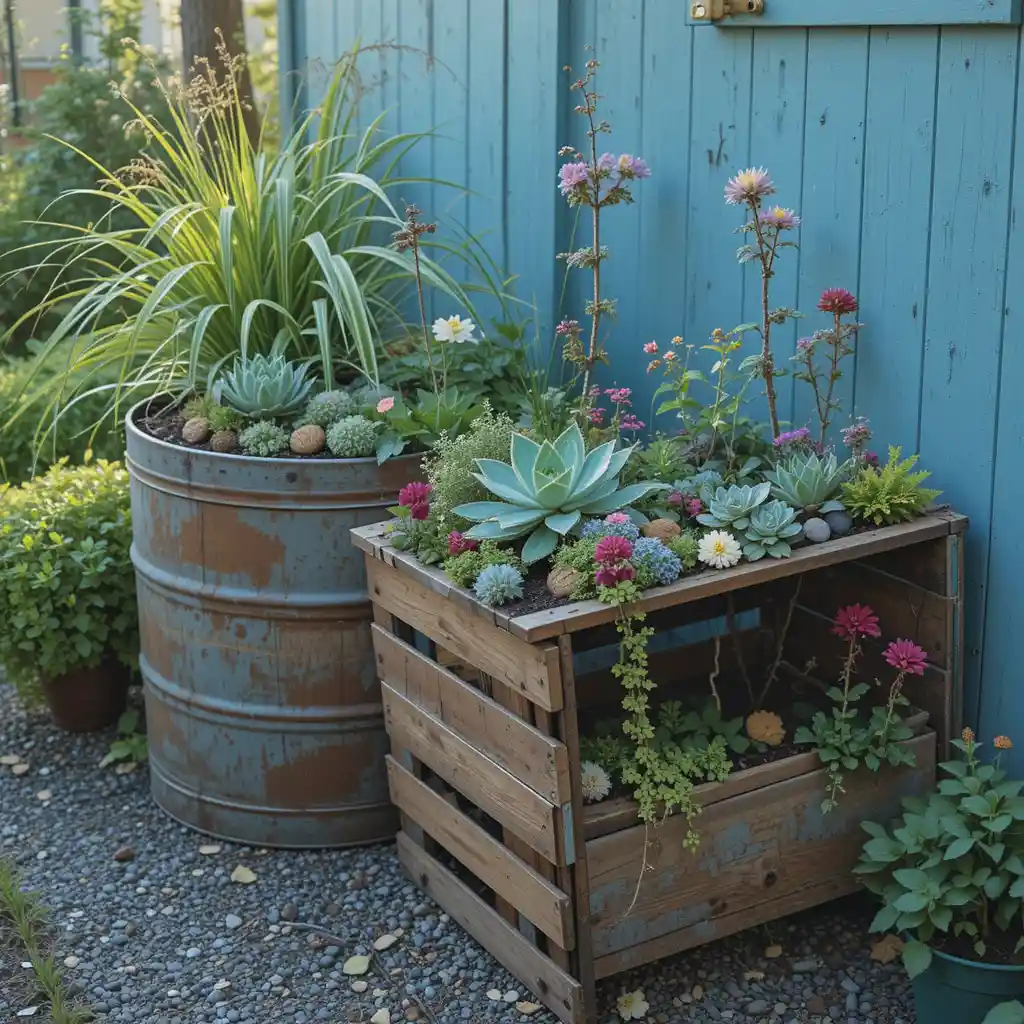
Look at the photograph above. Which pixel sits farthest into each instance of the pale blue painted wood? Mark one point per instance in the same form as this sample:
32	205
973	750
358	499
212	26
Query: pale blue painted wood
899	153
970	208
905	191
833	13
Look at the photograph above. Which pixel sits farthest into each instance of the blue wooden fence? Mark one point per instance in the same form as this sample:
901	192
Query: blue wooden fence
895	132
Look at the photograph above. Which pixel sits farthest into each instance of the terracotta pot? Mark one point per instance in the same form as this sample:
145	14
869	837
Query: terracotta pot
87	699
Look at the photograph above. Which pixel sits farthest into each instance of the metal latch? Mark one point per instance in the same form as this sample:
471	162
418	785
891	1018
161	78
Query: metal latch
715	10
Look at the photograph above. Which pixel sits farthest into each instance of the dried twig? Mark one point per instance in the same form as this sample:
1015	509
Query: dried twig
783	634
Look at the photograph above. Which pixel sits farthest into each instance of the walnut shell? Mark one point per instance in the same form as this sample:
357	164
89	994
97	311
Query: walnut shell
196	430
662	529
308	440
224	441
766	727
562	580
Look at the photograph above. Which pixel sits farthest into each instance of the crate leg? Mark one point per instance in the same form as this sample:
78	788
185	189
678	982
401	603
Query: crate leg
568	723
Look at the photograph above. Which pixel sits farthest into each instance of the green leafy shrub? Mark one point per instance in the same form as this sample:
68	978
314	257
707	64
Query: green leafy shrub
466	567
67	586
888	494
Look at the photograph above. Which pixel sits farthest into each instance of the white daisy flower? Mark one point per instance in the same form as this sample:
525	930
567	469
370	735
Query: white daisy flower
719	549
633	1005
454	329
595	782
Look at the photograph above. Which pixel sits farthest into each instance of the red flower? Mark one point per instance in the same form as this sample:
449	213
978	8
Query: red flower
611	550
420	510
856	620
609	575
459	542
906	656
413	494
837	301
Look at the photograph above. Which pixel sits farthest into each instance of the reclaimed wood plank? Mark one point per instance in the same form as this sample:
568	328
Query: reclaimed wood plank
570	618
510	802
762	845
561	993
841	13
539	761
532	670
495	865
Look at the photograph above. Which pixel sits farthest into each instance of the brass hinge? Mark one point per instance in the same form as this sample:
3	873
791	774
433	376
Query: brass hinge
715	10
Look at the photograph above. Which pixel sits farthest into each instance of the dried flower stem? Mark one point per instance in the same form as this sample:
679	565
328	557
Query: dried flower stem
595	319
409	238
780	645
766	255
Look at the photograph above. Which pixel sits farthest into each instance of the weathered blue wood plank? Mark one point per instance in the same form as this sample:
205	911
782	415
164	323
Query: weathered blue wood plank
894	240
850	13
971	205
777	142
833	177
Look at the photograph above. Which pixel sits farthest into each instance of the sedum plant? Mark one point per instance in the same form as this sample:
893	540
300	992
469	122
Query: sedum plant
353	437
327	408
953	867
263	439
265	386
770	531
547	489
499	584
67	586
732	507
888	494
809	482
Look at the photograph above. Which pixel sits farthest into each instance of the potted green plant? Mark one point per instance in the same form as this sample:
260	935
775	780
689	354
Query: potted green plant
68	617
951	878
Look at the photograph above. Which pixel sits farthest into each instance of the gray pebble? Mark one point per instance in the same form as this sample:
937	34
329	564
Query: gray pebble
817	531
839	523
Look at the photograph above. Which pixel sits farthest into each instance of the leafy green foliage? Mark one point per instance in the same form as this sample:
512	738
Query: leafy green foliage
265	387
67	586
770	530
130	745
426	538
685	548
809	481
954	864
466	567
220	417
892	493
422	419
547	489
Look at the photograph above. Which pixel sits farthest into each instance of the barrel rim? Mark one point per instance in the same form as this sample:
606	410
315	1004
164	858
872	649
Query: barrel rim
134	430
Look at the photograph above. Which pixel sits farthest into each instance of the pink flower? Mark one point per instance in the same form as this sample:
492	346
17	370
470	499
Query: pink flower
780	218
669	356
906	656
674	498
630	423
749	186
572	176
651	348
459	542
620	396
856	620
567	327
611	550
616	518
837	301
870	458
694	507
420	510
414	494
596	417
608	575
385	405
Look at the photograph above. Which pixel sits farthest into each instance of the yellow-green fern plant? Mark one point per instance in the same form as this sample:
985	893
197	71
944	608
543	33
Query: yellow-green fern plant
887	494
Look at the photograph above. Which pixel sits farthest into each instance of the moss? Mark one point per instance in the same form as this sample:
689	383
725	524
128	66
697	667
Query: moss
464	569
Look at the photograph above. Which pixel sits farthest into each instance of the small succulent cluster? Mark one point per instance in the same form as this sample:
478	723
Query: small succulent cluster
352	437
499	584
326	408
266	386
264	439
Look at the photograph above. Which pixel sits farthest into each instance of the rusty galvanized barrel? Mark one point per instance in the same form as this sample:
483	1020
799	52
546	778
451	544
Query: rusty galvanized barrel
263	709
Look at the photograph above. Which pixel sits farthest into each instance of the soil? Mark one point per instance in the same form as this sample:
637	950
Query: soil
1000	948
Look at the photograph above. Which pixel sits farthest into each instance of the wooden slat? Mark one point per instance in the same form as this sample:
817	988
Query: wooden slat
544	904
570	618
531	670
955	574
464	768
763	845
868	13
539	761
562	994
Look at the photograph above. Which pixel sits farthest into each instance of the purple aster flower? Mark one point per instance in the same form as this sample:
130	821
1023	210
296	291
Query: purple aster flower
633	167
792	437
780	218
857	435
606	162
749	186
571	176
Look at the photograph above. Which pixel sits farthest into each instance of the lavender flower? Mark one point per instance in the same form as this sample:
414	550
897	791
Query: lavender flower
571	176
632	167
749	186
793	438
780	218
856	437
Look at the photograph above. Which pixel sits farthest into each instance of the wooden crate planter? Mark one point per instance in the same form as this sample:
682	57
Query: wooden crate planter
484	711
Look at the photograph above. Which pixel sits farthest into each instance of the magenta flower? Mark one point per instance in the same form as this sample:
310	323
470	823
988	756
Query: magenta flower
596	417
857	435
414	494
674	498
420	510
749	186
459	542
611	550
780	217
694	507
870	459
567	327
651	348
906	656
856	620
609	575
837	301
792	437
620	396
571	176
630	423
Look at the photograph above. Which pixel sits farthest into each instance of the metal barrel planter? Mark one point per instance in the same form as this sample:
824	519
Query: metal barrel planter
263	708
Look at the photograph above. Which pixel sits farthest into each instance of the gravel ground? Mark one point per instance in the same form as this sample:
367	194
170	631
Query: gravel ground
164	935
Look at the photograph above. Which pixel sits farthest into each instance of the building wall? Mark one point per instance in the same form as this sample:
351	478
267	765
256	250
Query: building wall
899	144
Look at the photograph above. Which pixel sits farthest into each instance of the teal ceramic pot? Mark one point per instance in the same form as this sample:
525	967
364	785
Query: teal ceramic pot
963	991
